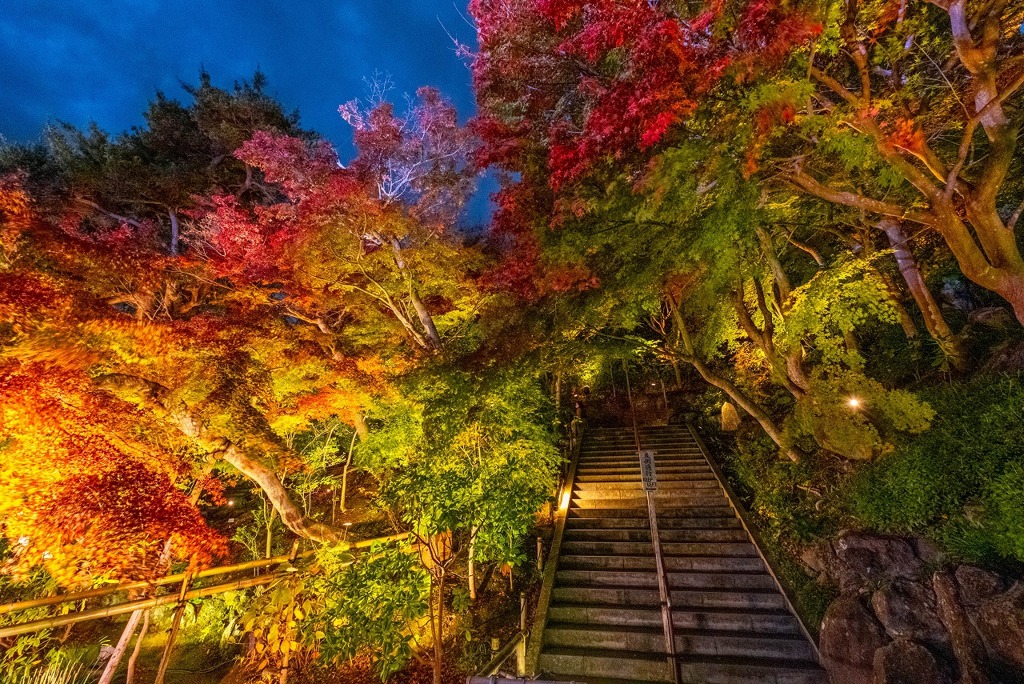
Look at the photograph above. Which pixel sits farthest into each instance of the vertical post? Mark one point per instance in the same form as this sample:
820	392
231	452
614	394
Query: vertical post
165	659
521	644
540	554
471	563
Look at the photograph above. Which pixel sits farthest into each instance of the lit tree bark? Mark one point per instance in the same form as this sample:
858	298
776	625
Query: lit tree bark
724	384
934	321
175	231
984	245
159	400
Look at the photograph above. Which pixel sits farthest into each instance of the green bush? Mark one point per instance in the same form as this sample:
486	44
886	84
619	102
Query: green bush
962	481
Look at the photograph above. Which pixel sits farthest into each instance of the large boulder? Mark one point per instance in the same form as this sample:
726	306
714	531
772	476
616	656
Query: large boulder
857	560
964	641
1000	621
976	585
907	610
906	662
850	635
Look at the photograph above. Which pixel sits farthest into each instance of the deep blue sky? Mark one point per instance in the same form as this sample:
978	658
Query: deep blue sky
103	60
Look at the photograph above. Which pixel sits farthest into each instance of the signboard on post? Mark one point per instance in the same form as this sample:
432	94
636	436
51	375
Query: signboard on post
647	472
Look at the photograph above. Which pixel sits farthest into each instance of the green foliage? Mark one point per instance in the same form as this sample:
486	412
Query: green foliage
836	303
62	673
961	480
371	606
478	456
860	431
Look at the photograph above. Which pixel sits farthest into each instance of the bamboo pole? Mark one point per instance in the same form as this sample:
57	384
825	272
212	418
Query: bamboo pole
130	677
130	606
174	579
122	646
179	612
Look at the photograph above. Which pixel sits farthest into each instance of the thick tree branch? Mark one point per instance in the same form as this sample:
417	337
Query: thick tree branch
808	183
161	402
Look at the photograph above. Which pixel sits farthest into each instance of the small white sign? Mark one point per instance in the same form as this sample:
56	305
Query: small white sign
647	471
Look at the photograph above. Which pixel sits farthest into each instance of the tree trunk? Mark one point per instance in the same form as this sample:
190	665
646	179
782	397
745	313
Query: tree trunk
361	427
471	563
425	319
934	321
437	626
269	546
734	392
122	645
268	481
558	394
160	401
344	473
175	231
677	371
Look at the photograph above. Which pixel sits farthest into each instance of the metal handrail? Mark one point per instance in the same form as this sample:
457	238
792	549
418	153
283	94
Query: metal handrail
664	593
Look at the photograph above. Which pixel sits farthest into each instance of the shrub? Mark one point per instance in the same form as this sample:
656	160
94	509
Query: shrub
962	481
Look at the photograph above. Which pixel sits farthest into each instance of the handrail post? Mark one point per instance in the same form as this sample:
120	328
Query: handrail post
521	643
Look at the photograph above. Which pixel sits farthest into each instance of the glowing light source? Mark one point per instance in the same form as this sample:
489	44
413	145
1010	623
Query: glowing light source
853	402
231	502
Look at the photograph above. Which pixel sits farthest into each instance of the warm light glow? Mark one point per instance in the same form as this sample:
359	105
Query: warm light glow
231	502
565	500
854	402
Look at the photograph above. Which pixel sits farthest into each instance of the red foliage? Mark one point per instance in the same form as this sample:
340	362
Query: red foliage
625	73
419	159
80	495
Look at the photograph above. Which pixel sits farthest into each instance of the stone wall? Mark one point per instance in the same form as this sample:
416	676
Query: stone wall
906	616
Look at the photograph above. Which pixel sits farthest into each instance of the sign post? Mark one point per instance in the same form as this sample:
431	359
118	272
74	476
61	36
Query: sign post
647	471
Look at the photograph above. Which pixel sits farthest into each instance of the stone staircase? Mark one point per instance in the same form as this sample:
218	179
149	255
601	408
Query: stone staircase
604	622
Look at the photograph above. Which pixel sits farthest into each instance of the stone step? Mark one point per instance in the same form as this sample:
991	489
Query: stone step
665	535
777	622
681	598
599	548
725	670
586	664
659	448
634	470
672	563
665	490
631	450
607	523
661	457
721	510
597	478
637	485
687	642
676	580
619	462
665	500
632	464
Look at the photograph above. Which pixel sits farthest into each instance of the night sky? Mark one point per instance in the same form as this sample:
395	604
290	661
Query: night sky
103	60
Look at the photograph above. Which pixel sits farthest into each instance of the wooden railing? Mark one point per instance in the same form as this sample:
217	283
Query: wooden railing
182	595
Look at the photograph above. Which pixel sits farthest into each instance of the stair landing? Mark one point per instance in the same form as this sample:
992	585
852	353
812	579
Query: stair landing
731	624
